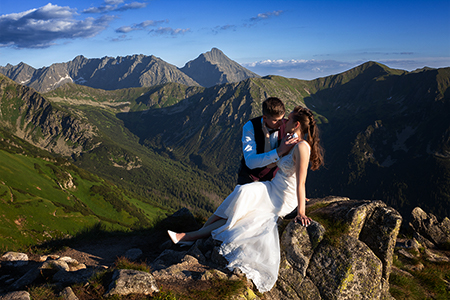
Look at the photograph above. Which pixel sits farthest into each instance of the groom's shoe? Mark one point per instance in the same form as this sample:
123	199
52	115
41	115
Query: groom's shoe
173	237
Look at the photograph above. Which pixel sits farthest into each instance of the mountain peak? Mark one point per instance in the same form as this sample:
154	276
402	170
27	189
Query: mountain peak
215	56
214	67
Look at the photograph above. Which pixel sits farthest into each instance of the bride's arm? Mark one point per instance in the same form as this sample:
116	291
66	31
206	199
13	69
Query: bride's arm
301	159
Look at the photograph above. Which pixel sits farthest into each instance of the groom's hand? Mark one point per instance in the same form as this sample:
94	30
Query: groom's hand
286	145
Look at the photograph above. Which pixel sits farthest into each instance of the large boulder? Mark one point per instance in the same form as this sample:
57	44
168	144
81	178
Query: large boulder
297	246
346	270
349	257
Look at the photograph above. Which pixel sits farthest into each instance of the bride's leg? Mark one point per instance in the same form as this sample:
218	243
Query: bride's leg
211	220
203	232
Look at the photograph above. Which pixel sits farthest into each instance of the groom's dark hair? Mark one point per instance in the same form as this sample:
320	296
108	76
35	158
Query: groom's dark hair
273	107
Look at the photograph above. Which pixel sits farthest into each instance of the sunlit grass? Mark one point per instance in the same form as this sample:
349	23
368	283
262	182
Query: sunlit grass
432	282
124	263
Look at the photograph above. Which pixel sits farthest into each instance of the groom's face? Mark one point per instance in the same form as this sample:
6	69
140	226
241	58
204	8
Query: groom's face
273	122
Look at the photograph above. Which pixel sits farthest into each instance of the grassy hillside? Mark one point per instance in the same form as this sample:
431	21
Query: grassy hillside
122	158
379	126
44	197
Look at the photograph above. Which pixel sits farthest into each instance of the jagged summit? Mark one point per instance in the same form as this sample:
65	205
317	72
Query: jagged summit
214	67
138	70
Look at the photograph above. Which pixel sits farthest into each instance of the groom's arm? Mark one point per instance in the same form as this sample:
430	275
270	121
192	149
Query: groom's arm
253	160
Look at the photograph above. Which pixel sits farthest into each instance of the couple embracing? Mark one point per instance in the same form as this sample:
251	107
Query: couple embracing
271	184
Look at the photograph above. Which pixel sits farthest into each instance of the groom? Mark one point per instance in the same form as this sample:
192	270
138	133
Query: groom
263	144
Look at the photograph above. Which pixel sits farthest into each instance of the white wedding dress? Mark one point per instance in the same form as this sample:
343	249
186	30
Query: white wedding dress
249	238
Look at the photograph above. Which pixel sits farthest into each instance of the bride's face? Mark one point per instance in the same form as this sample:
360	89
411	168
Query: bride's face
291	125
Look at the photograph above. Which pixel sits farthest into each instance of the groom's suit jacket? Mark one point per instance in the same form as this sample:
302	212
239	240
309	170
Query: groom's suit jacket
247	175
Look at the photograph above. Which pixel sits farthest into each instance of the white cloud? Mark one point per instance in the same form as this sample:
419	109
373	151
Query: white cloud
314	68
133	5
266	15
170	31
417	63
298	68
42	27
140	26
113	2
114	5
218	29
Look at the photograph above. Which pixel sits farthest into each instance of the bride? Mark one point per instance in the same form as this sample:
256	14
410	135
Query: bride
246	221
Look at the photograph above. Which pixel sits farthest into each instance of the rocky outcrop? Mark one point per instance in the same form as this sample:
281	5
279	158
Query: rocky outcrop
428	230
346	253
351	260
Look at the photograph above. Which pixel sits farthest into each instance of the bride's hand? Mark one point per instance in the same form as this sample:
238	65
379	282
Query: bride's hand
303	220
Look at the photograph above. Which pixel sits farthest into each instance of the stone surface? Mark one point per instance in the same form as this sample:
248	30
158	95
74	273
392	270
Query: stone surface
133	254
18	295
63	277
68	294
15	259
349	269
434	257
380	232
125	282
430	228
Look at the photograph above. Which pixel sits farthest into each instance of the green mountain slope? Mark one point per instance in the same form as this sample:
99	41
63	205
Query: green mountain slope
44	197
122	159
387	137
92	137
385	131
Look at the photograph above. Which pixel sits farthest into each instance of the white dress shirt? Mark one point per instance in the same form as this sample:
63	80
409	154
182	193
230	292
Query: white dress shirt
253	160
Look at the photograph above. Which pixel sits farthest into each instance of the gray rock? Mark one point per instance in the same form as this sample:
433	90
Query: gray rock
167	258
68	294
15	259
408	244
406	254
30	276
125	282
429	227
217	259
298	244
63	277
195	252
55	265
133	254
416	268
348	270
18	295
380	234
435	257
180	270
423	241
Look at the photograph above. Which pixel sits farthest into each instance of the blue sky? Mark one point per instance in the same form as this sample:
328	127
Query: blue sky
300	39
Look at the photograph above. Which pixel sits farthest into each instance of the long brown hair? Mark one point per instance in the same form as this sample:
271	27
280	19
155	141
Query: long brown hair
309	128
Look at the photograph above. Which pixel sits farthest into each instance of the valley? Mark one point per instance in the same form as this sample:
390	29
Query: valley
155	149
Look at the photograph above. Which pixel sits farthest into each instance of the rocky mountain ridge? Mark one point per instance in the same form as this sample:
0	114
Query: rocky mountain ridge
110	73
350	250
213	68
